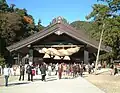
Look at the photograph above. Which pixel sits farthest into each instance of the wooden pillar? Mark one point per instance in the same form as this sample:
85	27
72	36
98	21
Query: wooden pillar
86	57
18	59
31	55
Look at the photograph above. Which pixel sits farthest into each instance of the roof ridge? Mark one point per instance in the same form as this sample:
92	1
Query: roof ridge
33	35
86	36
58	25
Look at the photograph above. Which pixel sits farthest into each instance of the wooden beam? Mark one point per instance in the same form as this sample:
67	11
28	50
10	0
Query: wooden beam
42	46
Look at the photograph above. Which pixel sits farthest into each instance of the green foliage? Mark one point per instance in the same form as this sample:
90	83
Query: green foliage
106	56
2	61
13	27
11	8
39	27
82	25
99	12
21	12
107	14
3	7
65	20
114	5
2	1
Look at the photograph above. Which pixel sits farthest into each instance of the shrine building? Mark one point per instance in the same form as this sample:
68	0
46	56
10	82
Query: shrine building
58	42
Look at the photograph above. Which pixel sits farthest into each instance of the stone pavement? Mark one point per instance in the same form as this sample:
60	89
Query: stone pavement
11	78
52	85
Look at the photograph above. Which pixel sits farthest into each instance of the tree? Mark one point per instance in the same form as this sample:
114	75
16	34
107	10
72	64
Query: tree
21	12
11	9
2	1
11	27
2	61
4	7
109	15
39	22
39	27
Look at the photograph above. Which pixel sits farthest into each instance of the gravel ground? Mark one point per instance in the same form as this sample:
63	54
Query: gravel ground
106	82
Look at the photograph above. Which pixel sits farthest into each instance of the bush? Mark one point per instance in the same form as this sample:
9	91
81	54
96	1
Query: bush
2	61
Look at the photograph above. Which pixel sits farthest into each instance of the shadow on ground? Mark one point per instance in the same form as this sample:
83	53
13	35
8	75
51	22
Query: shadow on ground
37	79
14	84
18	83
52	78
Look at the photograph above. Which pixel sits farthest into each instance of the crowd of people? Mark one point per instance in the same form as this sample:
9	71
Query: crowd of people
61	70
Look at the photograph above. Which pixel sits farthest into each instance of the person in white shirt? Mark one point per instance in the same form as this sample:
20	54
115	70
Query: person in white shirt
0	70
99	66
6	74
49	70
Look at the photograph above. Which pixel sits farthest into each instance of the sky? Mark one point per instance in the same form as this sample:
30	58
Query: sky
46	10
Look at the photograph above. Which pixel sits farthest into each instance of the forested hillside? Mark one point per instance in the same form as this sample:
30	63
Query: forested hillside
82	25
15	25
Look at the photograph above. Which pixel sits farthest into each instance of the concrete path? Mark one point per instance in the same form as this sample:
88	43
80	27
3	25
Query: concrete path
53	85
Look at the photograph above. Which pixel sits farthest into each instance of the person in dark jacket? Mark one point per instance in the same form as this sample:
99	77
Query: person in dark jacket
115	70
43	71
60	70
29	71
89	69
22	71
